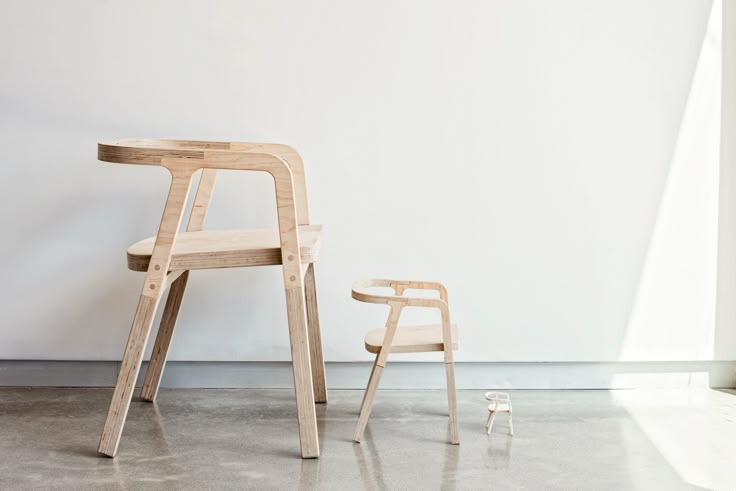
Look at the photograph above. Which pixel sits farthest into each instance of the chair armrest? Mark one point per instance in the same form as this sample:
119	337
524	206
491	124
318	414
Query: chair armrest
399	286
359	293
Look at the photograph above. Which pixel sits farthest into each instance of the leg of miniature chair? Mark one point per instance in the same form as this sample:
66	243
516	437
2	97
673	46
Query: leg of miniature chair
306	415
381	358
373	371
452	403
365	410
163	338
511	422
315	339
490	421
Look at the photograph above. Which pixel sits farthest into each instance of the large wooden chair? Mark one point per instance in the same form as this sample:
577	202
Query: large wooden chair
168	257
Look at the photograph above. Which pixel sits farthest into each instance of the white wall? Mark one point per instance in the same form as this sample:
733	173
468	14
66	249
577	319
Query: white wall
529	154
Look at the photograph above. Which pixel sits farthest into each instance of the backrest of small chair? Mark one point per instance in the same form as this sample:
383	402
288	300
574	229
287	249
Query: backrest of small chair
398	302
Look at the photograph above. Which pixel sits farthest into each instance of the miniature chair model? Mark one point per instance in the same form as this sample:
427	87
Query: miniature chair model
407	339
500	403
168	257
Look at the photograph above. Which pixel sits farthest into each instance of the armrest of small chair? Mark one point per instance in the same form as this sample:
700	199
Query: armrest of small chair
359	293
399	286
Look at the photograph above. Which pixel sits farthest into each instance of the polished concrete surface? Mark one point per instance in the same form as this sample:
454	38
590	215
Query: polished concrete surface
247	439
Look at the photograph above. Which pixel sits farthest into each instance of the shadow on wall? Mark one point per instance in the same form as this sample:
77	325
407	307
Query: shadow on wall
673	313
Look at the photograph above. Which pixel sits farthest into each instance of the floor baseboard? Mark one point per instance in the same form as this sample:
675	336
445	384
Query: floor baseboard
398	375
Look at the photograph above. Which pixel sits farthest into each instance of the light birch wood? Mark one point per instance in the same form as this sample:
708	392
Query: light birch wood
408	339
375	379
315	337
411	339
213	249
452	403
182	158
177	280
163	338
152	152
141	328
202	200
172	277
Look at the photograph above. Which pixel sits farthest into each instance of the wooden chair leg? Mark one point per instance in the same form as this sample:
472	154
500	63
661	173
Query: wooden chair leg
315	338
306	414
163	338
127	375
490	422
373	371
511	423
452	403
181	180
375	379
367	405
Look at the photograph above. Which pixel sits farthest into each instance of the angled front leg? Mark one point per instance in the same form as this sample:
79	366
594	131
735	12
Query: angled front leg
149	299
306	414
378	366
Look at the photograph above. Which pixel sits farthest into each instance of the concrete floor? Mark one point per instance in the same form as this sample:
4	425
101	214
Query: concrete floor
247	439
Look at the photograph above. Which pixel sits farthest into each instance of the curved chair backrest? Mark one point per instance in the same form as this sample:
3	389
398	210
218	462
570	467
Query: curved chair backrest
184	157
360	293
124	151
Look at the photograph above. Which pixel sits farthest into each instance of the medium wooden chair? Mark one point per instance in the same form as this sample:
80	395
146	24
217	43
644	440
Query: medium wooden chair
407	339
168	257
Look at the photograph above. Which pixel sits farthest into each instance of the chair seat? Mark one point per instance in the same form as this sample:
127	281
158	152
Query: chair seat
410	339
227	249
501	407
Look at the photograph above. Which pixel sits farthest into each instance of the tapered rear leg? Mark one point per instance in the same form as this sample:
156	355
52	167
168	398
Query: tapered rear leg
491	417
315	338
452	403
299	341
163	339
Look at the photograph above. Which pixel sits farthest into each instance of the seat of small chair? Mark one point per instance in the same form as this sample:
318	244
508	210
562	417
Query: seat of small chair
410	339
500	407
227	248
